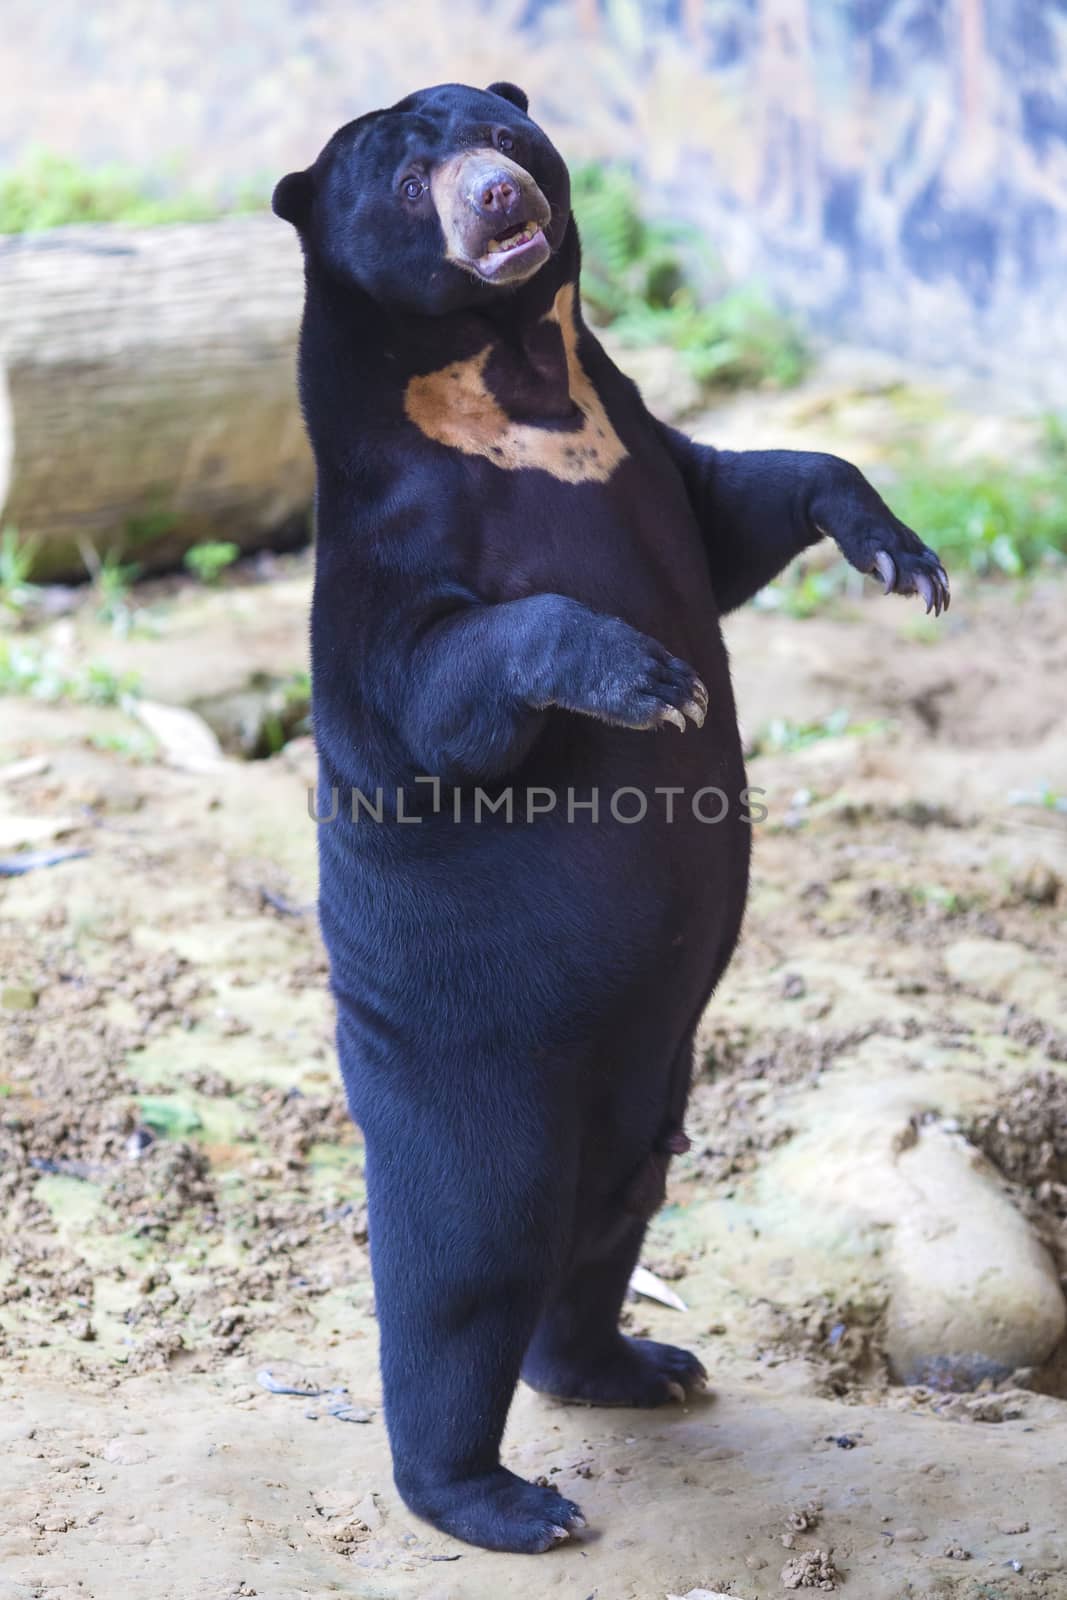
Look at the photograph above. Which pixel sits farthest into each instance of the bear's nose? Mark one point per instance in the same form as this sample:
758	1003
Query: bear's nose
495	194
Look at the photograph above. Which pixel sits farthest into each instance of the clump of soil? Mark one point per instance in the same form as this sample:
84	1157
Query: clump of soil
843	1345
150	1194
803	1519
1025	1136
810	1569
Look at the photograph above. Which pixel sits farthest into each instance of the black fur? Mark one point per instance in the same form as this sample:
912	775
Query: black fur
510	91
516	1000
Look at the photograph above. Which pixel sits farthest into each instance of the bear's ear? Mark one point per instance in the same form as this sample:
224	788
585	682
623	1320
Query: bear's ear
292	197
508	91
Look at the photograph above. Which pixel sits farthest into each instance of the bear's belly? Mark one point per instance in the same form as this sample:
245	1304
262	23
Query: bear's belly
536	926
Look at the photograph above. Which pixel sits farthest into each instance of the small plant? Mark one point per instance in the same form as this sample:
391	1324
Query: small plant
781	736
288	714
939	898
111	578
1046	798
637	276
627	260
209	560
16	563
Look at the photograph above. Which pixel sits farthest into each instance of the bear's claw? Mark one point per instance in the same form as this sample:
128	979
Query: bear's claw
920	574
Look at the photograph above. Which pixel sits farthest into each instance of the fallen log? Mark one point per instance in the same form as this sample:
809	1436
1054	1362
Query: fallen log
148	390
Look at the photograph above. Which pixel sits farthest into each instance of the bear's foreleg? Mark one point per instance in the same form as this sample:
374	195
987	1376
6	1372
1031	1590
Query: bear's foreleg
758	509
475	685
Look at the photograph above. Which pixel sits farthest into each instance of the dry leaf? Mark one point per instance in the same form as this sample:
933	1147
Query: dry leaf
647	1284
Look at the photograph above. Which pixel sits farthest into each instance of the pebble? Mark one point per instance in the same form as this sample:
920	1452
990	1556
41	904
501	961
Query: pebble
134	1533
125	1451
369	1512
349	1413
702	1594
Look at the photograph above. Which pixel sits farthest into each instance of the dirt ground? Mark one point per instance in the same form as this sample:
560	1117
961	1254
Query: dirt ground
182	1190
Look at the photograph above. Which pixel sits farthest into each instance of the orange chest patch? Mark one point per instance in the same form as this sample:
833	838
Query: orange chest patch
455	407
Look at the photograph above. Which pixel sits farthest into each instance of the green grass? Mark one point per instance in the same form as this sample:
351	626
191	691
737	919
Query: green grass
49	191
136	746
26	669
987	518
639	275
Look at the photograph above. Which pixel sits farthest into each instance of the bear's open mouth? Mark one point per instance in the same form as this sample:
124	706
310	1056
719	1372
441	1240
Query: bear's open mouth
519	250
520	233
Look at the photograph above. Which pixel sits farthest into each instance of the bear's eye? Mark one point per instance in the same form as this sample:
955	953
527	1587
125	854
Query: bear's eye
413	188
505	142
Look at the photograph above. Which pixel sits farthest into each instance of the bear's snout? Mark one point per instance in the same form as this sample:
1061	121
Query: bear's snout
492	215
495	196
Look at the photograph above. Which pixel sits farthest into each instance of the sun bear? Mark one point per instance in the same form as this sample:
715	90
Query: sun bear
534	832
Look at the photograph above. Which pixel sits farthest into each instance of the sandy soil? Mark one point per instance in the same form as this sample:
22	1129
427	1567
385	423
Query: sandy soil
182	1192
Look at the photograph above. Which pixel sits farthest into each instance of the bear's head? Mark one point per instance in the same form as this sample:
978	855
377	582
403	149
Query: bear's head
451	197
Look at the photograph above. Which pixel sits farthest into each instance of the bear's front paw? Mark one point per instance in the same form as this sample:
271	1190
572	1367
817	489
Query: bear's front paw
914	571
633	681
888	548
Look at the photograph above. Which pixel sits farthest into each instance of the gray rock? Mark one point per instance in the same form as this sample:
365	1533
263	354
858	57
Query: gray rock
973	1294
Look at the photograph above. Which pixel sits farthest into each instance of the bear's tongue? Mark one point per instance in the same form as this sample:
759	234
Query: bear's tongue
520	234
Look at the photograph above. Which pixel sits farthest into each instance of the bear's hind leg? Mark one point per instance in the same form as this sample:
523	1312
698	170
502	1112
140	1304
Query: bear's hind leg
463	1243
578	1352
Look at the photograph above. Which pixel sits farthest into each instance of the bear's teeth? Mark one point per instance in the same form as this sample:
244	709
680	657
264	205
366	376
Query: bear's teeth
522	236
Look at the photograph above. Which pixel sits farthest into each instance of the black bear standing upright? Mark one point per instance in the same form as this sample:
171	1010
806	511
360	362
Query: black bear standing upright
519	579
